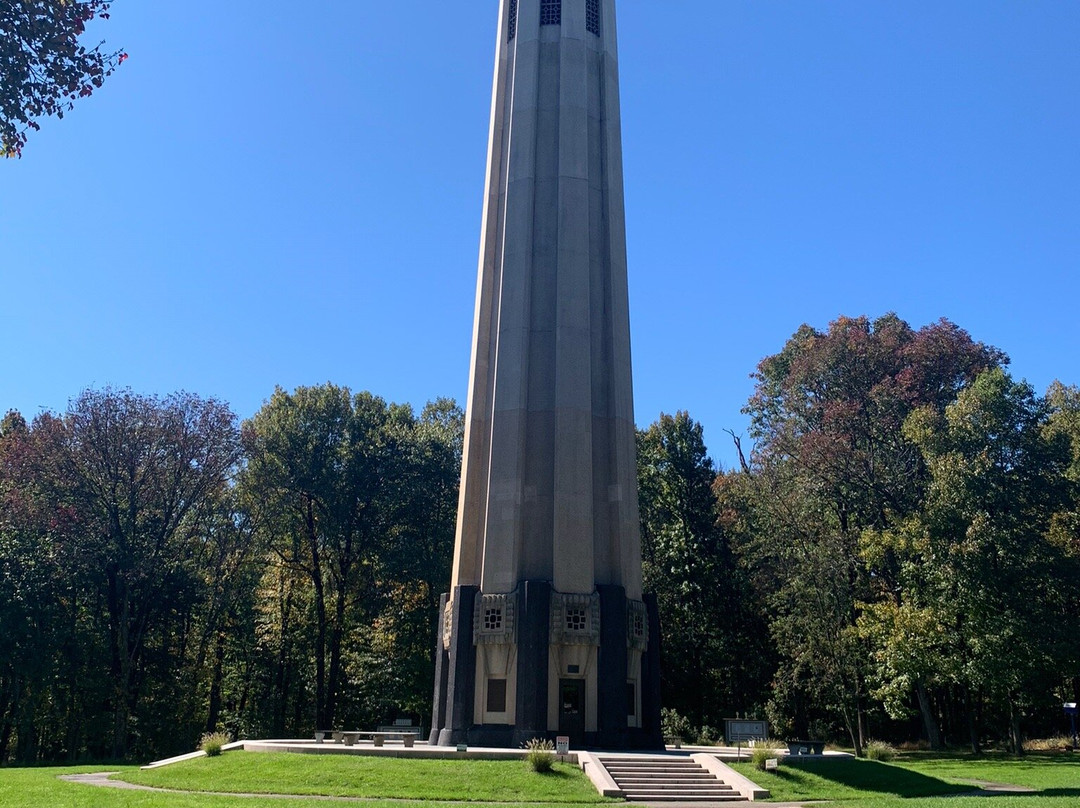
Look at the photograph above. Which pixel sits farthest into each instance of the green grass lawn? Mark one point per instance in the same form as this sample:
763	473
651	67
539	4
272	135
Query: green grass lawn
358	776
914	781
41	788
508	782
925	781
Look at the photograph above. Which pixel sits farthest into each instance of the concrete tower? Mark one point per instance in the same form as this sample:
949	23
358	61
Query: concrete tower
546	630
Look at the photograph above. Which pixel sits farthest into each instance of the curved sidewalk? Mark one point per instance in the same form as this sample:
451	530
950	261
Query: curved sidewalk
101	780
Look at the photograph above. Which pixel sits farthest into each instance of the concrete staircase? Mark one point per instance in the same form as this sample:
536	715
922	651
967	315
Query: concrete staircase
666	779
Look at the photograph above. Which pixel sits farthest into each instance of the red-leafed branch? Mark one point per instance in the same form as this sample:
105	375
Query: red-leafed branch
44	68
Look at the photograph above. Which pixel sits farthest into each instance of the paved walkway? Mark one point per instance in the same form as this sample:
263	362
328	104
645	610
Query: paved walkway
101	780
988	786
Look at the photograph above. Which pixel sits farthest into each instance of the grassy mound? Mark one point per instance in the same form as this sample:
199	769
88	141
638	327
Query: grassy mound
358	776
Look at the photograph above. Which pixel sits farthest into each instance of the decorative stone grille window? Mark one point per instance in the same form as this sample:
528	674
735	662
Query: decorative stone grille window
448	623
551	12
592	16
575	619
494	619
512	30
637	625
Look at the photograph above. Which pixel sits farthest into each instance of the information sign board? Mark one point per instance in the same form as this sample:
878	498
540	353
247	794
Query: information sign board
738	730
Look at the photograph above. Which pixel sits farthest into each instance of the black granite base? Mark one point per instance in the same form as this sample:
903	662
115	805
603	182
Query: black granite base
650	680
533	638
611	706
455	676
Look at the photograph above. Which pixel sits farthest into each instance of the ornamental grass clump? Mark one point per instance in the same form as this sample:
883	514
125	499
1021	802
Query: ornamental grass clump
541	755
212	742
880	751
761	755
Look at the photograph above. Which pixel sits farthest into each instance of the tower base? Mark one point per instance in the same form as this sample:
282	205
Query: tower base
597	682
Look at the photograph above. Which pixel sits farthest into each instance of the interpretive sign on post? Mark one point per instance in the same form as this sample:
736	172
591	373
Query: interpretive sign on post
562	745
738	730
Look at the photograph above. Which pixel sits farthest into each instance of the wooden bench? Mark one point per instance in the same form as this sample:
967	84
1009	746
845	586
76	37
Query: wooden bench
806	747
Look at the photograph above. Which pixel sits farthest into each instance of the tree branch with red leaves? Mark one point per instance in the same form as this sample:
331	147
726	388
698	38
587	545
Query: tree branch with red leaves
44	68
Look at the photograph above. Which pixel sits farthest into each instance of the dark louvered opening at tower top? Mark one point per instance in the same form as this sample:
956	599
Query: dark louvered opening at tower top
551	12
512	26
592	16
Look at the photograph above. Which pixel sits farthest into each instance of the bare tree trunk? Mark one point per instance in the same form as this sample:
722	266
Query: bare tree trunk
213	712
281	677
973	724
853	731
26	744
860	717
320	619
1016	738
336	639
929	721
73	730
8	724
121	662
5	739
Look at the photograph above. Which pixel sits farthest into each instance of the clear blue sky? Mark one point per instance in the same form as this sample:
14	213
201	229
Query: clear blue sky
289	193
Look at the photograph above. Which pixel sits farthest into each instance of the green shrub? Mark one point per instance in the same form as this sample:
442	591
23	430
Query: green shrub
709	736
541	756
674	725
762	754
879	750
212	742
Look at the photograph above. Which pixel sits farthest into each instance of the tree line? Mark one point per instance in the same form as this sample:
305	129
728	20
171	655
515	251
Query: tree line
165	570
895	557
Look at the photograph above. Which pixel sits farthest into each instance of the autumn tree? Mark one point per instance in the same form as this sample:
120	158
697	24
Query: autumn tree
985	591
30	621
44	66
831	461
141	476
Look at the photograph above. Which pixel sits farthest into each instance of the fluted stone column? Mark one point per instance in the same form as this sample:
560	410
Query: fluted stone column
549	484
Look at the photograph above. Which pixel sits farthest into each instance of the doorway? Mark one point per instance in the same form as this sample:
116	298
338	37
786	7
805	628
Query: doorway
572	710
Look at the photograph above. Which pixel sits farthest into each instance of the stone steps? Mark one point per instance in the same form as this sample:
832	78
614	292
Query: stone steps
667	780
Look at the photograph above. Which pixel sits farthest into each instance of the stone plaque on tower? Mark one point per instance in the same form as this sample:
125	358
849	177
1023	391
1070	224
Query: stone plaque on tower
546	631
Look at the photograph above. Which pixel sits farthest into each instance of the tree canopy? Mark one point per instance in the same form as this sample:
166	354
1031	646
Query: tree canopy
44	65
895	558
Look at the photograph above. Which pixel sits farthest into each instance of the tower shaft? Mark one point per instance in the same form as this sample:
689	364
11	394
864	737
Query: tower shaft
547	558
